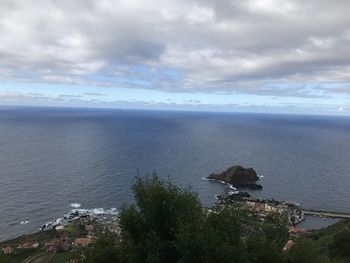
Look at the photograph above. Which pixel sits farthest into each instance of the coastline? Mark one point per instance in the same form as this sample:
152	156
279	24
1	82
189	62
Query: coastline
65	241
76	213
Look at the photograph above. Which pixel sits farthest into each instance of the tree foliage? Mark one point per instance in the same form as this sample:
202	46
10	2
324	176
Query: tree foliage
340	245
306	252
168	223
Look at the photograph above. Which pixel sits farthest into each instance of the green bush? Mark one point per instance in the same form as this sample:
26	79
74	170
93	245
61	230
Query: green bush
340	245
168	224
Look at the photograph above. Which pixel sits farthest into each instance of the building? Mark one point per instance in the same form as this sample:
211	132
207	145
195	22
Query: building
289	245
82	241
25	245
250	204
296	231
269	207
89	228
259	207
52	245
8	250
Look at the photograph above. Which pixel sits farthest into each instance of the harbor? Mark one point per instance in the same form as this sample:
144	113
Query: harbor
292	211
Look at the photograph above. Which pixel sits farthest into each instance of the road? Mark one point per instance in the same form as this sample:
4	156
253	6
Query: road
42	258
326	213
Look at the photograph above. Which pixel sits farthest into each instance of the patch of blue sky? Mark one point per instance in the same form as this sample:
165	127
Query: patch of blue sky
110	94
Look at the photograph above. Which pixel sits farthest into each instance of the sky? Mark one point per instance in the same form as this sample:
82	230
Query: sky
283	56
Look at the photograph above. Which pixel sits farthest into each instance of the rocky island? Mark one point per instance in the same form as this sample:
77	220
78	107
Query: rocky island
239	177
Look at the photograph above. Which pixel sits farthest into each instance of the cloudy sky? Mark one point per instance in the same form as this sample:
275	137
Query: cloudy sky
230	55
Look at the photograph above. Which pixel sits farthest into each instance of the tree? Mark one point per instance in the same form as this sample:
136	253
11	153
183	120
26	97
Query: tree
275	230
103	251
218	239
305	251
168	224
162	210
261	250
339	247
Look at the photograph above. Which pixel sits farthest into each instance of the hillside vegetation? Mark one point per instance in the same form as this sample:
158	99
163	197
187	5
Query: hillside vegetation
168	223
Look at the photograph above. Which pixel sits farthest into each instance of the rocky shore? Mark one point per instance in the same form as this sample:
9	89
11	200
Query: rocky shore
63	239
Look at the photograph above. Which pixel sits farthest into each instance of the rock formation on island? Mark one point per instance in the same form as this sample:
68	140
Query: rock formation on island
239	177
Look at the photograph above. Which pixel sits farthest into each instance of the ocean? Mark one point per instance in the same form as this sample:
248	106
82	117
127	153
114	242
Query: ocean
51	158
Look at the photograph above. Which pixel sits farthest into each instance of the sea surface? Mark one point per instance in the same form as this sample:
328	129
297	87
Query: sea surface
52	158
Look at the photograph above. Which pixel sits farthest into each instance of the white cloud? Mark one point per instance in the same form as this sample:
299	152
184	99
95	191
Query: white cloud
226	45
200	15
282	7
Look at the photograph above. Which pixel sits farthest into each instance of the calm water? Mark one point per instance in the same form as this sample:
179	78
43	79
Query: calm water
50	158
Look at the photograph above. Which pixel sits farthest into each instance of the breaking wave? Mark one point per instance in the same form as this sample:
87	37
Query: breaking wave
214	180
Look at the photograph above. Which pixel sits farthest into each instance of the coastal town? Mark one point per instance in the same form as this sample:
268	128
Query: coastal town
263	207
62	242
64	239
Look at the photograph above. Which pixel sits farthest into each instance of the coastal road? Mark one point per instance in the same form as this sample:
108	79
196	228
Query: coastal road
42	258
326	214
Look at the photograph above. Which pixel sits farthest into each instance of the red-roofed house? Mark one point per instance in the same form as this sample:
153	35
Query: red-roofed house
25	245
82	241
8	250
288	246
89	228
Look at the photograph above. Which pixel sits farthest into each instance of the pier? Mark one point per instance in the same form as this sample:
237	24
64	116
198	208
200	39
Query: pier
321	213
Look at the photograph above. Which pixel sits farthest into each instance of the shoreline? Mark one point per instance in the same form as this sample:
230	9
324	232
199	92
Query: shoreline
115	215
67	241
295	213
73	215
76	213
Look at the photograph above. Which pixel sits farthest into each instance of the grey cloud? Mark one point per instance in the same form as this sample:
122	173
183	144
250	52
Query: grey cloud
336	90
302	92
214	46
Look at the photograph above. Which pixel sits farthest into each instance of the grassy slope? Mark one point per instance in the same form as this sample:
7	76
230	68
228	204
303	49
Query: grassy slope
322	238
18	257
72	230
62	257
35	237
